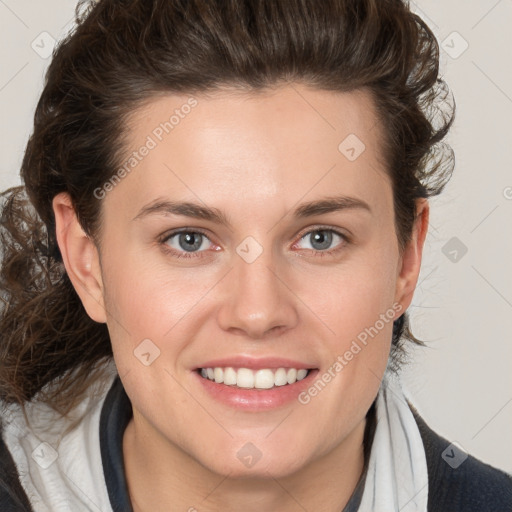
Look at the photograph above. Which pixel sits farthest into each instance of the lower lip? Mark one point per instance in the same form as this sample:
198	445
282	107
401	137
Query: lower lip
256	399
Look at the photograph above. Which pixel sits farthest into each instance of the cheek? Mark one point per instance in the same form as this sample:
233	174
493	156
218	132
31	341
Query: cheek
357	309
151	298
152	301
360	321
351	297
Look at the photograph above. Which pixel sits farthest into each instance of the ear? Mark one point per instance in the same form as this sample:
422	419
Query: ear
80	256
410	261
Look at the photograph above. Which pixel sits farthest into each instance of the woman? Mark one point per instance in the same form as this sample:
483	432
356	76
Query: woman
207	280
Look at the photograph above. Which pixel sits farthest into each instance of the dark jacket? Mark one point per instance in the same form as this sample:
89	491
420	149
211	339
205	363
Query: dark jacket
471	487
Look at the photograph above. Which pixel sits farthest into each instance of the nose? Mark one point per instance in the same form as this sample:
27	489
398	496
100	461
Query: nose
257	299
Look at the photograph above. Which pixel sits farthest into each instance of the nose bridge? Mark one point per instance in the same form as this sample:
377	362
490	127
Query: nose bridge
257	299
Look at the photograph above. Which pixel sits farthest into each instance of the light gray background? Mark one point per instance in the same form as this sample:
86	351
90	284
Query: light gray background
461	383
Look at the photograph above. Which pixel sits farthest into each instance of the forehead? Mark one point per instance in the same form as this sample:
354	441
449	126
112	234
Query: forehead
278	145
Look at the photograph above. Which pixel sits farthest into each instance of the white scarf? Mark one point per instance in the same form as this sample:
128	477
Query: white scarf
397	478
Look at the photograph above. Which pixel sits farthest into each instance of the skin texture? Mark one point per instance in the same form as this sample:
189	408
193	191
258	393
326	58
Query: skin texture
256	158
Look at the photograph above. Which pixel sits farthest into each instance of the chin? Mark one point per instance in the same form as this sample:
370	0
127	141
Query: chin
249	462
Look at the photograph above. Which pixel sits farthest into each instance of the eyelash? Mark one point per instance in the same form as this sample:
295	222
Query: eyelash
318	254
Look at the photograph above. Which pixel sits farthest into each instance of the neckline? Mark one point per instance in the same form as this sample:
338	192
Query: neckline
116	413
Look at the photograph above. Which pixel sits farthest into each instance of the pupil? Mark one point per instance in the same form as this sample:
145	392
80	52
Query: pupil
323	239
190	241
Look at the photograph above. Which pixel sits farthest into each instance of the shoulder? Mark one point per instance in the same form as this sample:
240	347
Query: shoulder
52	462
460	482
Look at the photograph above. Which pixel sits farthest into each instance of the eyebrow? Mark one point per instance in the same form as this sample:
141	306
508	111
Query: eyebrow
331	204
198	211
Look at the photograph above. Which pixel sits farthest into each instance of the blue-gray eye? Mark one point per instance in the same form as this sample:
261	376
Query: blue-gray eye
189	241
321	239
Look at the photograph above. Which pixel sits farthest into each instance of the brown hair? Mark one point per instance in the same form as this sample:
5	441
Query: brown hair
124	52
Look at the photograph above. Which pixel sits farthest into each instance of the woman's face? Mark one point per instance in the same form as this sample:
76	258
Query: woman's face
254	232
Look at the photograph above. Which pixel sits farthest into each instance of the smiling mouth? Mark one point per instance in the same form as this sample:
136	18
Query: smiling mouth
245	378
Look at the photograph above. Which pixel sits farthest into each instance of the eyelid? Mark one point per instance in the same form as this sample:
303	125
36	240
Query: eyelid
319	227
168	234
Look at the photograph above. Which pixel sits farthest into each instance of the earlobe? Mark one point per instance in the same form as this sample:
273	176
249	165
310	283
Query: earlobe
410	261
80	256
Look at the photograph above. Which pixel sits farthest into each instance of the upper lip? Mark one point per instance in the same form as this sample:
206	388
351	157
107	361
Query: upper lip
256	363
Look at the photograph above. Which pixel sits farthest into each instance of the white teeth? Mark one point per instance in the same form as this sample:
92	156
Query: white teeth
280	377
301	373
218	375
249	379
245	378
291	375
264	379
230	377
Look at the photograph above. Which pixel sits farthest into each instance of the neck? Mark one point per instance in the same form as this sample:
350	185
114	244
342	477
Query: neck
161	476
